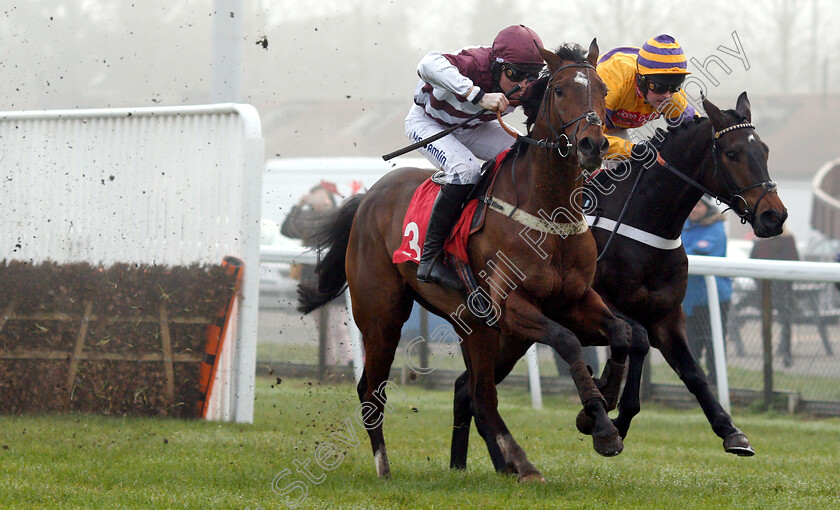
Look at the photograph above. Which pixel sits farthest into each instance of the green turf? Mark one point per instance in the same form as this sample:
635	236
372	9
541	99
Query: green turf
671	459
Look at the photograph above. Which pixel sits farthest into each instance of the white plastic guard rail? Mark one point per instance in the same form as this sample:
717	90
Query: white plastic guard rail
749	268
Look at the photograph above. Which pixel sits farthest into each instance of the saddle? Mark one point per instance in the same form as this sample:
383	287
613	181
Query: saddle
482	192
471	221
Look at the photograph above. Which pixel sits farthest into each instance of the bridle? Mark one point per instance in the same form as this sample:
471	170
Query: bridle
735	194
746	215
558	142
561	141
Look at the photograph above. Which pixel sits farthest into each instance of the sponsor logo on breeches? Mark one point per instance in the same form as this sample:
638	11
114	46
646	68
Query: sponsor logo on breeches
436	153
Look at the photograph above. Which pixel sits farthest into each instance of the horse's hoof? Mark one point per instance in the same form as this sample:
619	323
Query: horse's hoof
584	423
738	444
608	446
531	478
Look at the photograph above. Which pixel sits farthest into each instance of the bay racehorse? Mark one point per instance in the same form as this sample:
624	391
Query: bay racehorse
550	292
642	271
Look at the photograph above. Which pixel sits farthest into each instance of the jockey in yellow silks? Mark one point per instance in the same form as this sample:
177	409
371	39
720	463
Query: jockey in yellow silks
644	84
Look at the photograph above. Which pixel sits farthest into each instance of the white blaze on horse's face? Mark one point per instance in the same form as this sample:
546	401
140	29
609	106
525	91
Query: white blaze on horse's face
751	138
581	78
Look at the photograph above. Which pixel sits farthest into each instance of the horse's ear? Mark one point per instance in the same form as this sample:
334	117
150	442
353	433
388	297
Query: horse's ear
715	115
592	56
550	57
743	106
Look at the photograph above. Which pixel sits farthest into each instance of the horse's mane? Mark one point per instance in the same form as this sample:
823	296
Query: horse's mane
662	136
533	97
572	52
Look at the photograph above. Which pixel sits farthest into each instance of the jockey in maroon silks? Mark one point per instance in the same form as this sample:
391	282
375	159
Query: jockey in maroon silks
452	88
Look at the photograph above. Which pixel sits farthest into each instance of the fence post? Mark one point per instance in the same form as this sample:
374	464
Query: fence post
767	338
534	377
716	323
424	345
646	390
424	332
322	342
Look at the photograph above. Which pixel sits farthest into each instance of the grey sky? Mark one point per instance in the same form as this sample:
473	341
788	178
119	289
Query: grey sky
96	53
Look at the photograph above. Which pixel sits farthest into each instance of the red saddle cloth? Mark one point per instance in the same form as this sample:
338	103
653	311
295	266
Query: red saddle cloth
417	219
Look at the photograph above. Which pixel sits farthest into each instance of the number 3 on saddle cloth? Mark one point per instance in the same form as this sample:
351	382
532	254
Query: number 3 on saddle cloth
471	221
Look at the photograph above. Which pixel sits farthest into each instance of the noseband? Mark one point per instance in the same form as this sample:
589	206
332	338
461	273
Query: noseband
561	141
735	194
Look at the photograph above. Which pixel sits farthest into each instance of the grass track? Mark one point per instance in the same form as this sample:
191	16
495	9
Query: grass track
671	459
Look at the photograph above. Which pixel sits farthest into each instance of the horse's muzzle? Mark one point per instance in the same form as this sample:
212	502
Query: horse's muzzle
591	152
769	223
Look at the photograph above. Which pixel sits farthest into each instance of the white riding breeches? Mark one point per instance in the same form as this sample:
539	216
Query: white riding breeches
461	153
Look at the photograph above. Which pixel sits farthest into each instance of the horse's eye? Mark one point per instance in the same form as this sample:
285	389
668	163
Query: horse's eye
732	155
558	91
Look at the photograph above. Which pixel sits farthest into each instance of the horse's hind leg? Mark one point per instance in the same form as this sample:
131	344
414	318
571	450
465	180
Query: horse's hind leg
480	348
381	306
509	353
381	336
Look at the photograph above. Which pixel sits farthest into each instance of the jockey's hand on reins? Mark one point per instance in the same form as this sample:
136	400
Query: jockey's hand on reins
438	136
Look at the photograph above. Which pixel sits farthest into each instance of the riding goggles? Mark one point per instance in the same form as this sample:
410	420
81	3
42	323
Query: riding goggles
517	74
661	88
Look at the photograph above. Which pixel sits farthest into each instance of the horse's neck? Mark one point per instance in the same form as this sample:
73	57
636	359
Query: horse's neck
662	200
546	182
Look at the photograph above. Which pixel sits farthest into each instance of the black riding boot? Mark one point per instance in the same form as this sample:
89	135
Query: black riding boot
445	213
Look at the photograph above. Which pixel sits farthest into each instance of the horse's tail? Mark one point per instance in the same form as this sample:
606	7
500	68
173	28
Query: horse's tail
332	233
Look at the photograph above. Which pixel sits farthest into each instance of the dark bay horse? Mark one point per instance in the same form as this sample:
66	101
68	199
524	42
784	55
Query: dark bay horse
645	282
540	294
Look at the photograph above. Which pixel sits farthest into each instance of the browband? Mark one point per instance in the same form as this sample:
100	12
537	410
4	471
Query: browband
733	128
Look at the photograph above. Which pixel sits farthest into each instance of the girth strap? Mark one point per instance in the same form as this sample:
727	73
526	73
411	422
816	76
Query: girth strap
635	233
535	222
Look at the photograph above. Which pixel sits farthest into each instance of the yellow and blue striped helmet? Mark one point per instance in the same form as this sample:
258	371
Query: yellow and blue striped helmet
661	55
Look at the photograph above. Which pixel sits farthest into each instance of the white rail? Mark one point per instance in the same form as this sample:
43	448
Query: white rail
697	265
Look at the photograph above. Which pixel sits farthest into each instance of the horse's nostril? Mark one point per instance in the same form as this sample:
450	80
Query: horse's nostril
771	219
605	145
585	144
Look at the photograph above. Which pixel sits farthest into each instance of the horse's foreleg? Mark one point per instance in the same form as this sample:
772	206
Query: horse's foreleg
591	320
611	378
526	321
461	427
461	434
630	403
599	319
672	342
